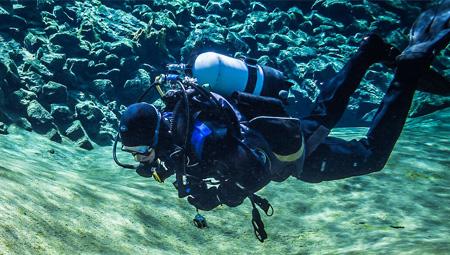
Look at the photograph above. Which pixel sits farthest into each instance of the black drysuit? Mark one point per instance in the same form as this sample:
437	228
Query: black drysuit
238	152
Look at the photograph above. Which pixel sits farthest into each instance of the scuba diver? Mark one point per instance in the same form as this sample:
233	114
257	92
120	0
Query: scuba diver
225	143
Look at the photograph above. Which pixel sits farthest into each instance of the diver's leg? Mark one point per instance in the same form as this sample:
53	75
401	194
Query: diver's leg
335	93
336	158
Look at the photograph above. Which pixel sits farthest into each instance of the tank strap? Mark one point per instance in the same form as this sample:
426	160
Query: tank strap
251	81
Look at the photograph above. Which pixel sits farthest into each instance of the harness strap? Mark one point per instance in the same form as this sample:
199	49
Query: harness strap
258	225
251	81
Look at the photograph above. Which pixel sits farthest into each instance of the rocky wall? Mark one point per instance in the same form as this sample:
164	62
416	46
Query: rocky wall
69	68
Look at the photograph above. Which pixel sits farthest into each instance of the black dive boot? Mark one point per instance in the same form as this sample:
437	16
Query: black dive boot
378	50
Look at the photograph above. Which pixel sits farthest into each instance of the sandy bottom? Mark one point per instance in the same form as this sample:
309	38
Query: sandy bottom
77	202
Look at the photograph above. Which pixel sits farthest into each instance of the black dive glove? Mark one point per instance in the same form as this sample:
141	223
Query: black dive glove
155	170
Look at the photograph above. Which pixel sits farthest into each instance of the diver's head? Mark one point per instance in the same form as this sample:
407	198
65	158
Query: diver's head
139	130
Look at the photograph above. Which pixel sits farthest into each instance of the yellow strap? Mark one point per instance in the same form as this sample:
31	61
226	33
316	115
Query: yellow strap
155	174
291	157
160	92
156	177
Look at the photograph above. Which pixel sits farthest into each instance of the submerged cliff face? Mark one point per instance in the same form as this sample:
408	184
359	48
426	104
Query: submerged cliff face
69	68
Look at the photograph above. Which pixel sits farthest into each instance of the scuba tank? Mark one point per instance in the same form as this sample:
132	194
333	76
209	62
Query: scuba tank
226	75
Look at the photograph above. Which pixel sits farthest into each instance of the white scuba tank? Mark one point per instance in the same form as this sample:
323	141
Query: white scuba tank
226	75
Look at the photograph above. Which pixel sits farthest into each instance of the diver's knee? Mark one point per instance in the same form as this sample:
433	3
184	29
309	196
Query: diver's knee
377	164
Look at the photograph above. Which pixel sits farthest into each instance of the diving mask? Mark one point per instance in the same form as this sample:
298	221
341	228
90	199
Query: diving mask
141	153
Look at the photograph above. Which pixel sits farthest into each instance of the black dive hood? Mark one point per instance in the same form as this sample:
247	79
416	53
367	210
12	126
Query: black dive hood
116	141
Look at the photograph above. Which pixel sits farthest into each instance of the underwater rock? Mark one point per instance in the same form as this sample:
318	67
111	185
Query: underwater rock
53	61
85	143
20	99
258	22
42	5
88	32
10	74
12	23
2	97
151	45
112	53
198	9
296	15
97	67
206	35
7	6
90	116
64	15
112	60
219	7
3	129
54	92
280	20
23	123
40	119
33	42
368	117
163	20
121	48
288	64
65	39
77	71
102	86
106	135
61	113
54	135
426	103
183	17
99	55
142	11
77	134
340	10
299	54
135	87
114	75
70	43
322	68
282	40
385	23
75	131
34	65
237	43
257	6
128	66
